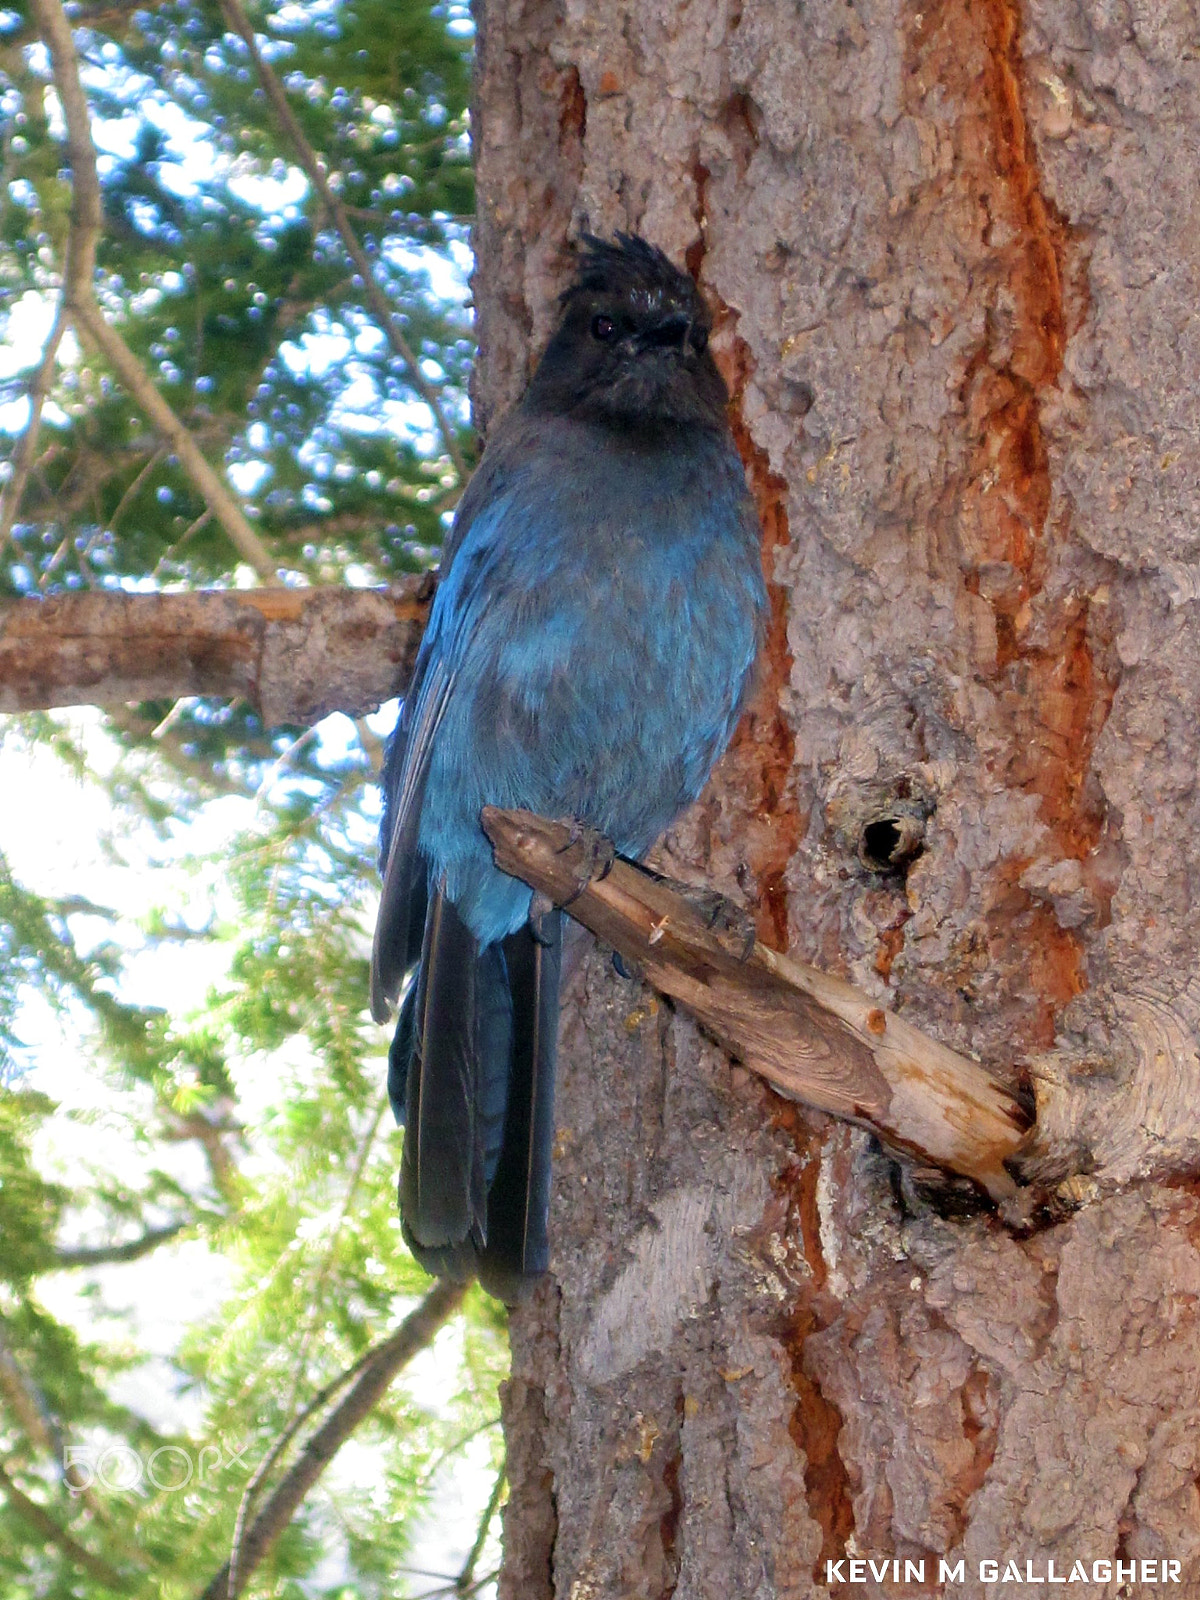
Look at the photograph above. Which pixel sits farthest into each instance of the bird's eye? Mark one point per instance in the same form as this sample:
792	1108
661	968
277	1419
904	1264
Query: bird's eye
699	340
603	327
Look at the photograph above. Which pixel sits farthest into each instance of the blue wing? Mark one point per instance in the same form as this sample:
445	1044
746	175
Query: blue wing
403	901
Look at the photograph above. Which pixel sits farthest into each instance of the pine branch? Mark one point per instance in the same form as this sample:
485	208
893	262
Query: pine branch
79	301
52	1532
413	1335
319	178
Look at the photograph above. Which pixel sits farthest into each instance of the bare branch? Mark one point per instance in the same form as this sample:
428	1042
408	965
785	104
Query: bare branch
130	1250
815	1038
299	1420
26	451
263	1470
82	238
52	1531
79	296
217	494
375	1375
318	177
86	211
294	654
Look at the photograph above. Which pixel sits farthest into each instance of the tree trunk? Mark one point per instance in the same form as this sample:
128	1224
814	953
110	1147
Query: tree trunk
954	257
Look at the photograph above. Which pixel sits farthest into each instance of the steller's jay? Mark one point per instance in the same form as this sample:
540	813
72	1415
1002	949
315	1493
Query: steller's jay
587	655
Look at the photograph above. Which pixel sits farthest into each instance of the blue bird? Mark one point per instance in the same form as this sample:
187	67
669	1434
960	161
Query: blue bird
588	654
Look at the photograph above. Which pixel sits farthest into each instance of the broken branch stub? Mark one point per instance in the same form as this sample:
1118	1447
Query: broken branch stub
813	1037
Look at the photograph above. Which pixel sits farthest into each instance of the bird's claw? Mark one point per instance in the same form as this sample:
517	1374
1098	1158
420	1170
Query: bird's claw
596	854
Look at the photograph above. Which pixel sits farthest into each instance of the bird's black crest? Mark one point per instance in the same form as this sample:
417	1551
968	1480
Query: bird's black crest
628	265
631	348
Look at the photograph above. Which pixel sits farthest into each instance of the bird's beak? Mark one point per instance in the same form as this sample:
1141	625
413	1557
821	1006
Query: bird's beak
669	334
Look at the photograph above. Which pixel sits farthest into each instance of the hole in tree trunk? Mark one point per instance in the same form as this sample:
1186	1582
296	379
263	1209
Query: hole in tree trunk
890	843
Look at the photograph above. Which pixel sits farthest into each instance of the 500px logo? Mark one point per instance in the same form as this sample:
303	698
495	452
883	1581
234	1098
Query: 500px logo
121	1469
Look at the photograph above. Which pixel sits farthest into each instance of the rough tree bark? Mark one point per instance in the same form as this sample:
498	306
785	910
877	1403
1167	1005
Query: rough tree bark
953	248
294	654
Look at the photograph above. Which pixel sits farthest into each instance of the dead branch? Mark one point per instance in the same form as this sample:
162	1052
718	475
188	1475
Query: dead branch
813	1037
295	654
413	1335
79	295
318	177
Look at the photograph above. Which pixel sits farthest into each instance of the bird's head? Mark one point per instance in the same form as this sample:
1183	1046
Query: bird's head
631	349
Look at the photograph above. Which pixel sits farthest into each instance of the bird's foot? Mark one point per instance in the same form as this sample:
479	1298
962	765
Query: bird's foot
596	855
731	925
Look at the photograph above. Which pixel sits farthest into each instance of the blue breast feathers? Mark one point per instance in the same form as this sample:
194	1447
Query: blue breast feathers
590	647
